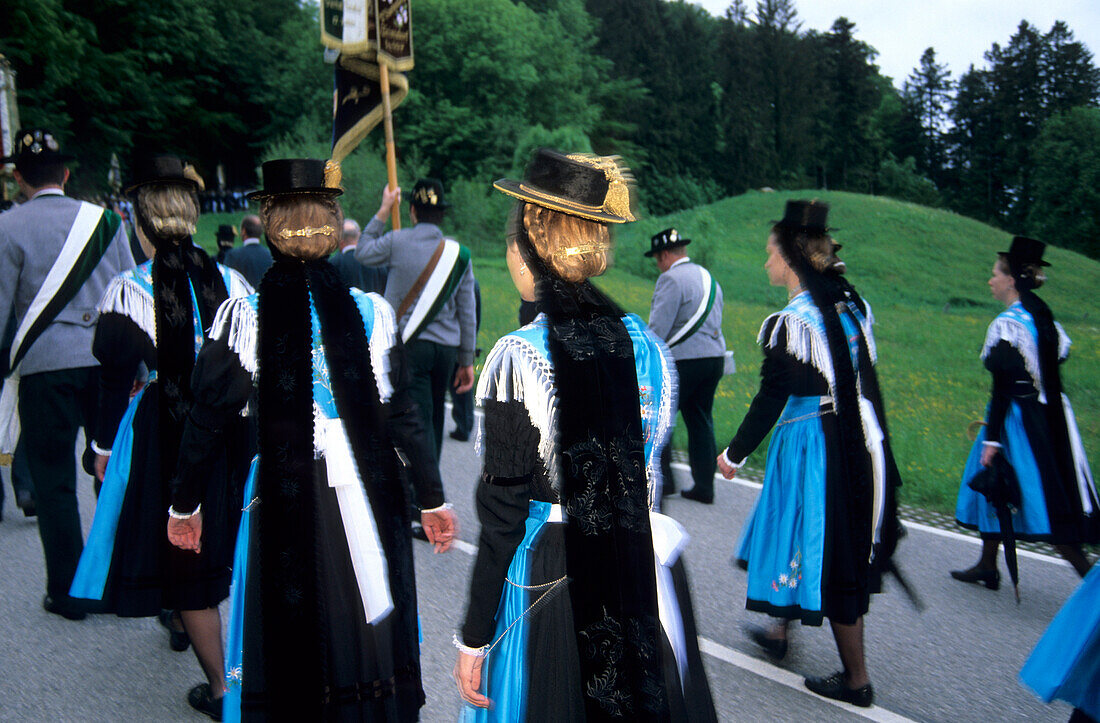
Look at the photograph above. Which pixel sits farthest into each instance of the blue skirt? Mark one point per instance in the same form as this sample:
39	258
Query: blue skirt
783	542
1065	663
234	642
1030	521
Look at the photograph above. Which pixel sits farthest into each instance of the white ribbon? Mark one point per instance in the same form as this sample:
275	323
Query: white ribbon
1086	486
364	546
873	438
669	539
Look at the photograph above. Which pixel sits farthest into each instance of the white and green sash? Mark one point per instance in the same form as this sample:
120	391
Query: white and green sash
88	239
692	325
440	286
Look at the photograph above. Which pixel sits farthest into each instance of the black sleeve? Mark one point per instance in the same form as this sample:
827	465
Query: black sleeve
220	387
775	387
1007	367
406	429
118	345
511	459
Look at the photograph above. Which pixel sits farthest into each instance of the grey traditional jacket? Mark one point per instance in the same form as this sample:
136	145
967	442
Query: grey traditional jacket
31	238
678	294
406	252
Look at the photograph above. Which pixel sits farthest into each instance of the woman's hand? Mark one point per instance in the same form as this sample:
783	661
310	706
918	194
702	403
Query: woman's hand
728	471
467	674
988	453
101	466
440	527
186	534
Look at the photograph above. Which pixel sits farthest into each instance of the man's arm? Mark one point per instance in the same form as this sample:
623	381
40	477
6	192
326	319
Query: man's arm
11	265
374	247
466	306
666	302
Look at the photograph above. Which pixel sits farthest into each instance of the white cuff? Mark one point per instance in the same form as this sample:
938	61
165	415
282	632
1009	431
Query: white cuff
183	515
443	507
476	652
998	445
99	450
735	465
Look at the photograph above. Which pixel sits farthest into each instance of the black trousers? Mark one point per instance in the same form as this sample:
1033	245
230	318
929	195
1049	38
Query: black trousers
698	382
431	372
52	407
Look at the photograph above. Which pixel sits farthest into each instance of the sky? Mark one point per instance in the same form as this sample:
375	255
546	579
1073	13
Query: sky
959	30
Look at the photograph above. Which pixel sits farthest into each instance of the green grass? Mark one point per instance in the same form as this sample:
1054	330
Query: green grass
923	270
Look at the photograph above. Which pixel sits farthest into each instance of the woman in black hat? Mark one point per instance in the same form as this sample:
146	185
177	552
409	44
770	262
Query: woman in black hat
153	319
323	622
825	525
572	567
1030	422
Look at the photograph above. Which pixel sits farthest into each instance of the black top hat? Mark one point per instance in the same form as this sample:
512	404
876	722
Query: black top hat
670	238
804	216
428	193
1024	251
36	145
225	233
591	187
163	169
299	175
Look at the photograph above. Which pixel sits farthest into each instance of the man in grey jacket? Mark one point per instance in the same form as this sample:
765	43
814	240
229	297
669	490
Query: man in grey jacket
57	255
430	285
687	314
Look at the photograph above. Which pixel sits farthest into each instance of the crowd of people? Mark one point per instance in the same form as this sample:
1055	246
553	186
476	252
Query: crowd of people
266	426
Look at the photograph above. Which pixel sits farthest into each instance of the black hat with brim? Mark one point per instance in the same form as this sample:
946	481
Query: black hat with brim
589	187
428	193
670	238
225	232
34	146
804	216
163	169
1024	251
295	175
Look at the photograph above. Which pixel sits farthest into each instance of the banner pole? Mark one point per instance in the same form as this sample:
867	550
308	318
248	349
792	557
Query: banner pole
391	152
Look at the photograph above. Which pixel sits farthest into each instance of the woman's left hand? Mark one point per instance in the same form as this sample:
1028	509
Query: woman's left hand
186	534
988	453
467	674
725	468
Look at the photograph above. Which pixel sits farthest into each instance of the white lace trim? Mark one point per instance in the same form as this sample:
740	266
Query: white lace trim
1016	333
868	332
666	411
803	343
383	337
239	320
124	295
515	371
238	285
1064	342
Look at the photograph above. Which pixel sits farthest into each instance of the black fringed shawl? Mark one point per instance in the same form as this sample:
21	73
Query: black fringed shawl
295	674
608	543
176	269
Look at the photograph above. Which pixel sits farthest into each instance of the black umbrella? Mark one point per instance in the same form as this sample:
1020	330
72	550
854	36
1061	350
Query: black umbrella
999	485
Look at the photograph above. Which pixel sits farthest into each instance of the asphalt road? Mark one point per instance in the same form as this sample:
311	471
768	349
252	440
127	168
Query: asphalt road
956	662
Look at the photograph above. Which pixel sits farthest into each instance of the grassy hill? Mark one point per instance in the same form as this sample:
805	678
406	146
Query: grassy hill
923	270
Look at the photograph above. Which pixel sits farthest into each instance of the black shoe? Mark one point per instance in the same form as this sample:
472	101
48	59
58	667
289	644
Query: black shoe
460	436
990	578
201	700
834	687
178	640
63	607
775	647
25	501
418	532
691	494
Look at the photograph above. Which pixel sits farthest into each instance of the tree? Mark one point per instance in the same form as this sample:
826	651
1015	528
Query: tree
1066	181
928	92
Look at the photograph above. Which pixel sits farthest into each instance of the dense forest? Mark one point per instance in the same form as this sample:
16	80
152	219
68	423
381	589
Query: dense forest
700	107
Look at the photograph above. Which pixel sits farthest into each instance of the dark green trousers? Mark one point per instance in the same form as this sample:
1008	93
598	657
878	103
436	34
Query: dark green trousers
431	372
52	407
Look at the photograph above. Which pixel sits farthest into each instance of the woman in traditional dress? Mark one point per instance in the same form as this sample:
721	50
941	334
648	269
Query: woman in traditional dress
153	319
1029	421
323	622
825	525
1065	663
579	605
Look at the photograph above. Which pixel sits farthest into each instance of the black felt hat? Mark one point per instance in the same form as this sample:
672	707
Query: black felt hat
428	193
299	175
670	238
225	233
591	187
1023	252
804	216
163	169
34	146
